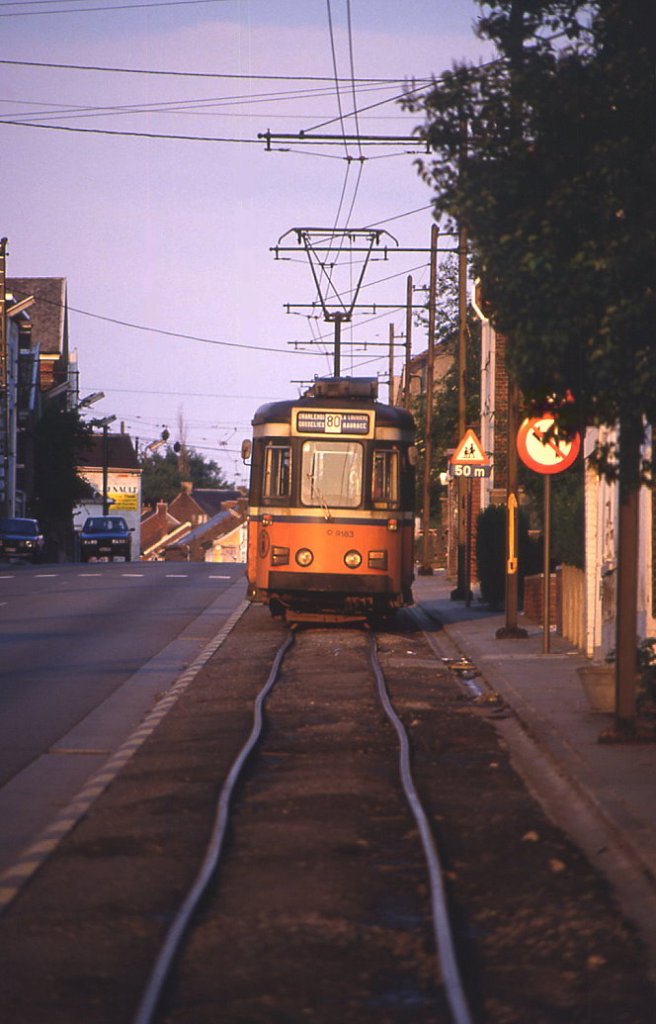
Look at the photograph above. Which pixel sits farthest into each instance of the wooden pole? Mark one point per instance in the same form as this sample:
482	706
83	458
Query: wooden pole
408	341
426	568
462	589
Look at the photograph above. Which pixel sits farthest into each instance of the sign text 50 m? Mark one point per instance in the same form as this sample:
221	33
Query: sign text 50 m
467	469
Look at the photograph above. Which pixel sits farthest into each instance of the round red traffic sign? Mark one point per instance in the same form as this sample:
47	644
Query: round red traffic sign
542	450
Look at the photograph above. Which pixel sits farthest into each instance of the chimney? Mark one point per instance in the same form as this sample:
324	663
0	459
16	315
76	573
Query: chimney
187	486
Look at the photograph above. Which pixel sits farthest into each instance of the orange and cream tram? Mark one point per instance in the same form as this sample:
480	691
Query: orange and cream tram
331	504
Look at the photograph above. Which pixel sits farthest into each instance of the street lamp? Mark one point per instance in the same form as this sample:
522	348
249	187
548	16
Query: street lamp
96	396
104	423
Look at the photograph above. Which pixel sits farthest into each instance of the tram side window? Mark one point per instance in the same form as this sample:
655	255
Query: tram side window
385	478
331	474
277	461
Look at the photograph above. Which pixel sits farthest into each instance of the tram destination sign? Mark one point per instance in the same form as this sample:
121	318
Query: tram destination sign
329	421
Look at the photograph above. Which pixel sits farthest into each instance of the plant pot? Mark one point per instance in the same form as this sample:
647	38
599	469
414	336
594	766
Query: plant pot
598	681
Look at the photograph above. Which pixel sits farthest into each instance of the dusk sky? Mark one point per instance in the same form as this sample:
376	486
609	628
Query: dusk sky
177	303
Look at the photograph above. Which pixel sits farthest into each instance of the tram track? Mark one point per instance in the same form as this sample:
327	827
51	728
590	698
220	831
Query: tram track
447	969
320	908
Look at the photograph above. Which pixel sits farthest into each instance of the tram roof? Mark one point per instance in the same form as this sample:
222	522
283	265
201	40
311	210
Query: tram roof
281	412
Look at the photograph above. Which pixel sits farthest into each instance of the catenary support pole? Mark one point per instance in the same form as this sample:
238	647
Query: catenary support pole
408	341
426	568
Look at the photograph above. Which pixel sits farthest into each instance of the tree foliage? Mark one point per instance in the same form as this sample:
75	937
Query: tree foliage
444	422
554	182
59	436
162	475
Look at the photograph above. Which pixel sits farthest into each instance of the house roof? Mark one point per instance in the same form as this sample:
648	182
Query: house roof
219	524
48	315
120	452
210	499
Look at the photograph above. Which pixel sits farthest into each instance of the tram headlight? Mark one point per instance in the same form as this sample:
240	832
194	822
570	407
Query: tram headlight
353	559
304	557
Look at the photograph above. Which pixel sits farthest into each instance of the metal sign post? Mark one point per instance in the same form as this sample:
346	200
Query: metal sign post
542	449
468	462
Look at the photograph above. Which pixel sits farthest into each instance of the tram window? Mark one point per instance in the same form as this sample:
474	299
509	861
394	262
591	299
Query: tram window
385	478
331	474
276	471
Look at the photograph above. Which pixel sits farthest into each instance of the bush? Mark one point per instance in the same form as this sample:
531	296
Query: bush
491	554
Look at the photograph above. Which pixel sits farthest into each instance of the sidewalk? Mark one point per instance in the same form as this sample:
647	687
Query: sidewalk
603	795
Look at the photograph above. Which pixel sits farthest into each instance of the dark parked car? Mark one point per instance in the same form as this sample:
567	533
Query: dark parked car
21	538
105	537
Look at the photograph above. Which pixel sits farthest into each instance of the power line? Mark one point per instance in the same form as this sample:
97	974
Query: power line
113	7
161	330
175	334
127	134
352	66
335	74
205	104
181	394
202	74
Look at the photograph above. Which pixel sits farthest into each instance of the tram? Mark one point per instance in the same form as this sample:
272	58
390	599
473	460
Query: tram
331	517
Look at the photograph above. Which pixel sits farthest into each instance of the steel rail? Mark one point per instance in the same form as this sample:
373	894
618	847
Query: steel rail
452	980
172	943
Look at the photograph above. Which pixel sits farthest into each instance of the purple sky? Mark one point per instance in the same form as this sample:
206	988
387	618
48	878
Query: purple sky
176	235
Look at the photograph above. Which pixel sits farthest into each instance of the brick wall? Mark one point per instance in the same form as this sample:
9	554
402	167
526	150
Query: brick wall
533	597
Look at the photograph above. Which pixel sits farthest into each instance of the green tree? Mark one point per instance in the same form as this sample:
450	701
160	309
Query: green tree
444	422
556	191
162	475
59	436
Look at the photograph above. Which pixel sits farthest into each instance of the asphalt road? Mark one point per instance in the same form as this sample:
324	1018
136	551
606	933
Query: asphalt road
85	650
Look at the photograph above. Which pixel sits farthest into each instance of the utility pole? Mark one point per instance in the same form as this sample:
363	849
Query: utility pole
4	382
426	568
408	341
511	630
462	591
391	364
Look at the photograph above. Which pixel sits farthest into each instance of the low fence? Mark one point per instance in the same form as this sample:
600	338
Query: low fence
567	601
571	611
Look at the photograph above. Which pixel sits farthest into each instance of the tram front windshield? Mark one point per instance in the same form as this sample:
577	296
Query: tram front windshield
331	474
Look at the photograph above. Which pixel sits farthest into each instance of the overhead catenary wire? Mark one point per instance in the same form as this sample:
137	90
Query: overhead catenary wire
164	331
108	7
198	74
201	105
